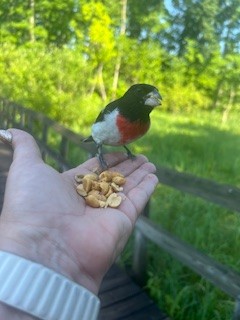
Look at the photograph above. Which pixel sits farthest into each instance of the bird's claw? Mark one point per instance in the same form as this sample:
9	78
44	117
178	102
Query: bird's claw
102	162
130	155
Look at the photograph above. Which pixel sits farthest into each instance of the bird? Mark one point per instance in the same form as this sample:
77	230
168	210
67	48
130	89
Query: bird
124	120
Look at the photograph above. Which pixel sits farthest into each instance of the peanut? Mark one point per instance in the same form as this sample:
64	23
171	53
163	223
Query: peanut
92	201
113	200
100	190
81	191
116	174
116	187
105	176
87	184
79	177
119	180
96	185
97	195
91	176
110	191
104	186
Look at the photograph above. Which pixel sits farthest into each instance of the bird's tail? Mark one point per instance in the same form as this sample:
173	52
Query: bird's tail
88	139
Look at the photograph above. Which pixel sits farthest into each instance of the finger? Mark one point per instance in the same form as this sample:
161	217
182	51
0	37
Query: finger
24	147
138	197
138	175
129	166
142	193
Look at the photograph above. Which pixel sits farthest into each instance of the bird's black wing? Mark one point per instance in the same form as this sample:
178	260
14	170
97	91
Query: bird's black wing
109	108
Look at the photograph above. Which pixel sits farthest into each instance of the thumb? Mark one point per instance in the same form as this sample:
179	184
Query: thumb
25	147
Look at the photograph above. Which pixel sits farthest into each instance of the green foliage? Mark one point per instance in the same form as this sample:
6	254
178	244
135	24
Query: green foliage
183	51
100	37
50	80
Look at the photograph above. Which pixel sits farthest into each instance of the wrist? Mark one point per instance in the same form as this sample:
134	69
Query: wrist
41	292
36	245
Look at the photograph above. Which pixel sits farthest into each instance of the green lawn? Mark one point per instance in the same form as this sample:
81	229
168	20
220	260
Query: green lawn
200	145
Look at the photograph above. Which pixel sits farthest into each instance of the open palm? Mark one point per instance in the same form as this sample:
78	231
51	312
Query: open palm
45	220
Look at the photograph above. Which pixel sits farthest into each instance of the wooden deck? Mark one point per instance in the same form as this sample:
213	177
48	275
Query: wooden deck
120	297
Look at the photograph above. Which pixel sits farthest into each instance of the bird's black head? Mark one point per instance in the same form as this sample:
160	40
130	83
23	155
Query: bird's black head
145	94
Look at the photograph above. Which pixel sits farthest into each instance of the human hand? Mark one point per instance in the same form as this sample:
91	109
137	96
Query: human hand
45	220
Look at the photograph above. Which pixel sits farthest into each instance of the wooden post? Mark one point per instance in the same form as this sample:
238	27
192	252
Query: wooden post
8	120
63	152
1	115
236	315
139	264
22	118
44	139
29	123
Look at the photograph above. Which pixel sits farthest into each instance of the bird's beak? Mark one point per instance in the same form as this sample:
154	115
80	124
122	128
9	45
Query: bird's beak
153	99
158	97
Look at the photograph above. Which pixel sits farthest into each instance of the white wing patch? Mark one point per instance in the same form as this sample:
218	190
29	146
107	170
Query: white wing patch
106	131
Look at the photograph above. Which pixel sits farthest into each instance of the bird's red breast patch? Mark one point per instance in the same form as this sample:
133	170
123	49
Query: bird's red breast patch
131	130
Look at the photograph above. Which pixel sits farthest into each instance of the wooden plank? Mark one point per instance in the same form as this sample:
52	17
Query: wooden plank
151	313
139	260
6	157
221	276
3	178
5	161
222	194
118	293
109	284
126	307
70	135
121	298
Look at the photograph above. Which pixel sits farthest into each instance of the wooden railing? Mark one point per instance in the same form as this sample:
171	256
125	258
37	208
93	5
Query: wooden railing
41	127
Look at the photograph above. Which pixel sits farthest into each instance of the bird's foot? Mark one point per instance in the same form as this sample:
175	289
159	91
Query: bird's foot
102	162
130	155
99	155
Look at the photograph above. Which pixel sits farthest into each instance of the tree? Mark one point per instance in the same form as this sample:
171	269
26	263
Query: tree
228	26
122	33
15	21
193	20
43	21
144	18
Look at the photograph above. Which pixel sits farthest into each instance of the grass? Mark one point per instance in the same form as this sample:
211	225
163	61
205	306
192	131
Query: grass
198	144
201	145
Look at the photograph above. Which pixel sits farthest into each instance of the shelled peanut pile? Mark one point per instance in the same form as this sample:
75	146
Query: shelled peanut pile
101	191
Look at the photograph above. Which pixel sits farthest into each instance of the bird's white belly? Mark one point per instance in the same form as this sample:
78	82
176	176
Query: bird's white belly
106	131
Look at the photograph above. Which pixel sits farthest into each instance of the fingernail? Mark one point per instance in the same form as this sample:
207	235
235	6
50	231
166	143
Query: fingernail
5	136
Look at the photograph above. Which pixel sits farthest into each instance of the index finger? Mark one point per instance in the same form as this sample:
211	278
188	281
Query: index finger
25	147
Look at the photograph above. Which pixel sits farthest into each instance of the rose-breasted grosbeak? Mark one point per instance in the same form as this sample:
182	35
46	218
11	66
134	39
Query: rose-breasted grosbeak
125	119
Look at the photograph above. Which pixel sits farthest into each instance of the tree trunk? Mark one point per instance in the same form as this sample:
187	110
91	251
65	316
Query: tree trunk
119	56
32	21
101	82
98	83
229	106
217	95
